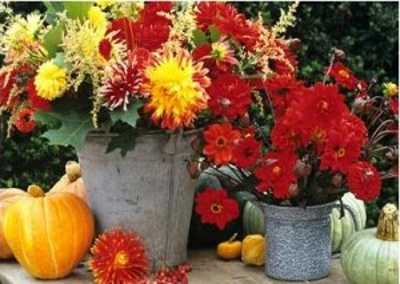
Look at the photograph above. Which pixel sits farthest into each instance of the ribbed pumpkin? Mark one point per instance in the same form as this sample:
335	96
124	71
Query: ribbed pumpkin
354	219
50	234
72	181
253	219
8	196
372	256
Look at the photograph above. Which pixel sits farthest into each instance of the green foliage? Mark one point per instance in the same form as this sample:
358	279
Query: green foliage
26	159
130	116
366	31
72	126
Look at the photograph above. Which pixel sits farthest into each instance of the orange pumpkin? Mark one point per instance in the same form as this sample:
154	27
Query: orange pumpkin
49	235
8	196
72	181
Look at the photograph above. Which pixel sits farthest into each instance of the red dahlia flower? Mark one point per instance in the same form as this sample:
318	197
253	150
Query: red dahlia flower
153	12
322	106
217	57
35	101
228	21
220	140
216	208
247	152
364	181
119	257
282	91
229	96
289	131
123	83
276	174
343	76
25	122
143	33
341	150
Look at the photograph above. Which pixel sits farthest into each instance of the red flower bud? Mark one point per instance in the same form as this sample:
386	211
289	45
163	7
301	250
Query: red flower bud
105	48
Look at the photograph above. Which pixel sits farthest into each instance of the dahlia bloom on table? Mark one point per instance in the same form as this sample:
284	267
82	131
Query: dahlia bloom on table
116	67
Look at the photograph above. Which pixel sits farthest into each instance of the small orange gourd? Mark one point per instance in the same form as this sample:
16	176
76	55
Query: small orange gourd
8	196
230	249
253	250
50	234
72	181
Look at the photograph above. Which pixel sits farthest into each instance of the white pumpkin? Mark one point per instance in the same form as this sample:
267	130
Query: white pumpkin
372	256
354	219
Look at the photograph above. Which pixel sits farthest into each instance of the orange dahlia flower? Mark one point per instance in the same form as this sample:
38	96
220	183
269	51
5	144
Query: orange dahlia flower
220	141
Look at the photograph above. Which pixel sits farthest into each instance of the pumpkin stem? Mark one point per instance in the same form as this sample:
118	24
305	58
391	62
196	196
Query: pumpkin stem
35	190
234	236
388	223
73	170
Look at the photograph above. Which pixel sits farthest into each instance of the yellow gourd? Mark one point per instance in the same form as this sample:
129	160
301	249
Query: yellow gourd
71	182
8	196
230	249
49	234
253	250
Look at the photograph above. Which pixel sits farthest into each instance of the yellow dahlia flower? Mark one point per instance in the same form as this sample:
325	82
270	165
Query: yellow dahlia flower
50	81
175	85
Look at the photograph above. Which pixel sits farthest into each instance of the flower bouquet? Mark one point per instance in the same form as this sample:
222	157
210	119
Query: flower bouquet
298	150
144	79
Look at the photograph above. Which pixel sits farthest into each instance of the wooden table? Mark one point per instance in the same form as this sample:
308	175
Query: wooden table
207	269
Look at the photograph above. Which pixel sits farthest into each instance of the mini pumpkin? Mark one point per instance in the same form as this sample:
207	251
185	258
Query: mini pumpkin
253	250
371	256
50	234
230	249
72	181
8	196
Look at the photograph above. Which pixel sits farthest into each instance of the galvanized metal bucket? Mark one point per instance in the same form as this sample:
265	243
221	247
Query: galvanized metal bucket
149	191
298	242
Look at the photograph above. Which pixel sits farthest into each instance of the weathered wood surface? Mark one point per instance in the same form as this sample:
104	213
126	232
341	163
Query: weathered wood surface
207	269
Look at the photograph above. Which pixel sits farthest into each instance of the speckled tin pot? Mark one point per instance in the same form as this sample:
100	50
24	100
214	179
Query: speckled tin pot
298	242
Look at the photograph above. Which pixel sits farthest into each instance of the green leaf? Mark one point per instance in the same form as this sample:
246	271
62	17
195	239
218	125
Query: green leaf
52	9
50	119
77	9
124	141
74	127
59	60
53	39
199	37
215	34
130	116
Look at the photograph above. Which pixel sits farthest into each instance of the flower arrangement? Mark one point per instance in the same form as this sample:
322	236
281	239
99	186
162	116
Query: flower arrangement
123	67
317	148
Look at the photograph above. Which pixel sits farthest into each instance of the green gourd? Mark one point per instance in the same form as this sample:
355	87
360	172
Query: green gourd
253	219
371	256
343	227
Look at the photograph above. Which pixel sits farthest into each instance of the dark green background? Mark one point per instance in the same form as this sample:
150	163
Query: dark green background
366	31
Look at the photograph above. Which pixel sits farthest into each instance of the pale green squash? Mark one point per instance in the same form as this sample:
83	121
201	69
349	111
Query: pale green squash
371	256
354	219
253	219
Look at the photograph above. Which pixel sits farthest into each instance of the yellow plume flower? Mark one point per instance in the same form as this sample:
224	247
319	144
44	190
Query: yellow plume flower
50	81
97	18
